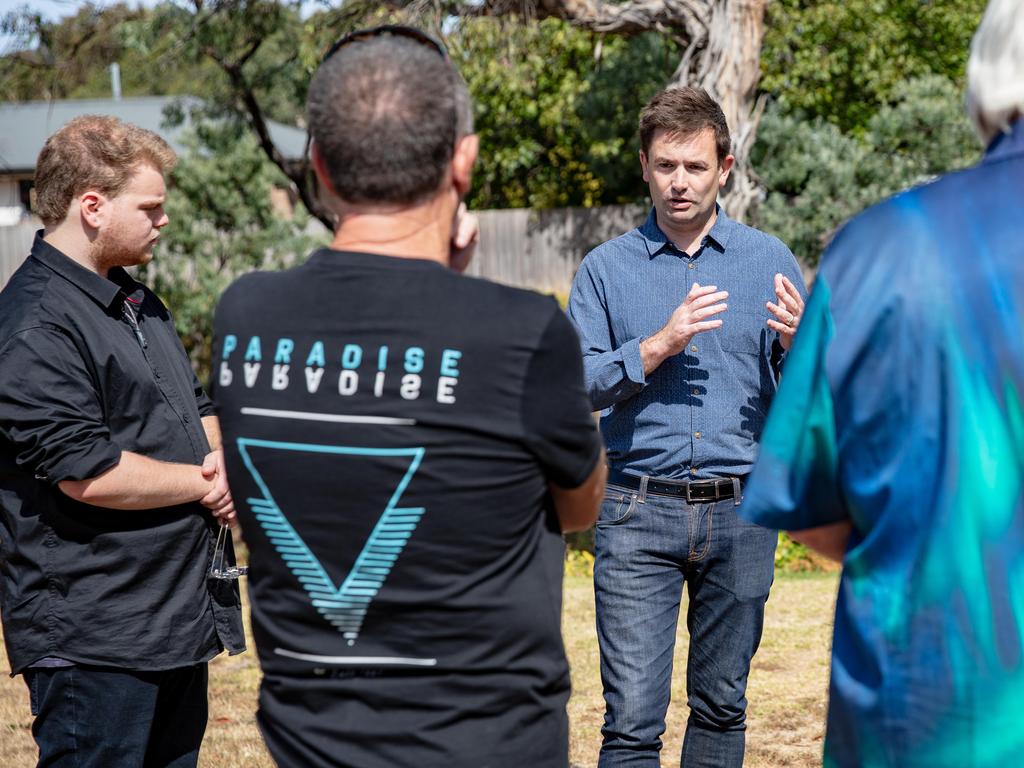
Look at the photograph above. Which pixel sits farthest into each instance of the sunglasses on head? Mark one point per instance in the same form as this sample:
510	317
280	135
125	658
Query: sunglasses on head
398	30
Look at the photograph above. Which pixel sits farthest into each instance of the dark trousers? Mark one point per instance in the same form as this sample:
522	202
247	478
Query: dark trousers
100	717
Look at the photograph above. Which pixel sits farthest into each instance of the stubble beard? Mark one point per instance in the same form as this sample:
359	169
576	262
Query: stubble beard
110	250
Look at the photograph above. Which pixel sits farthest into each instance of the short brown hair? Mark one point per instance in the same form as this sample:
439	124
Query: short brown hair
93	152
684	111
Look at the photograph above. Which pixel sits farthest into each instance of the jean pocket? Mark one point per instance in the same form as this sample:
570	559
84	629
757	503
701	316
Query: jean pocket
616	508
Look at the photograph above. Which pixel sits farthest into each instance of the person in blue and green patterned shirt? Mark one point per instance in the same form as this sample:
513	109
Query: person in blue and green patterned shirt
896	443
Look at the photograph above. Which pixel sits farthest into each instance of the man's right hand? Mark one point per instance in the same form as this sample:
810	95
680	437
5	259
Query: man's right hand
688	319
218	500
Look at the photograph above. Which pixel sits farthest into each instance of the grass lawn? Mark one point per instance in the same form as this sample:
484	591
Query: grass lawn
786	692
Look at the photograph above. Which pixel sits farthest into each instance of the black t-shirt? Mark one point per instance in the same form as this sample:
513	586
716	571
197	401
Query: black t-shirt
390	429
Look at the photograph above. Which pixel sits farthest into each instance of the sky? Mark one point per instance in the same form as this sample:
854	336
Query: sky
54	9
57	8
51	9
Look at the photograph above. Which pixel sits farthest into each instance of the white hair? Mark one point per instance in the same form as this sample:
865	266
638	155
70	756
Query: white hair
995	70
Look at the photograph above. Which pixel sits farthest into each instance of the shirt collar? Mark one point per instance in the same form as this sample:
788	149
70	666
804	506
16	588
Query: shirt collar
656	240
1006	144
101	289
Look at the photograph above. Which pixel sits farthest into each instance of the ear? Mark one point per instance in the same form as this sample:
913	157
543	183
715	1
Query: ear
643	167
723	170
93	208
320	168
466	150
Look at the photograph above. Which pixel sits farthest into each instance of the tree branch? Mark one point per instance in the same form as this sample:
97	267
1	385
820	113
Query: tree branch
627	18
296	173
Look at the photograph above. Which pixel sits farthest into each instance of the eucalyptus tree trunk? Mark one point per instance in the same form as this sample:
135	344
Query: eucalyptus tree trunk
728	65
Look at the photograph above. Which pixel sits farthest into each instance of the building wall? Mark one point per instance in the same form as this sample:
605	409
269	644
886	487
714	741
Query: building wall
15	242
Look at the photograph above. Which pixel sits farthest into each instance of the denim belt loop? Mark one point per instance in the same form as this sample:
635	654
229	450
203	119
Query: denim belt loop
736	492
641	497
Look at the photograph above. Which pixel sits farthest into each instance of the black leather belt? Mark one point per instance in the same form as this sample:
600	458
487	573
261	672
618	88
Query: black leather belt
691	490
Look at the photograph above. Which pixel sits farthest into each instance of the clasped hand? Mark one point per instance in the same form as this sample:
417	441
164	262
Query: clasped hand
218	499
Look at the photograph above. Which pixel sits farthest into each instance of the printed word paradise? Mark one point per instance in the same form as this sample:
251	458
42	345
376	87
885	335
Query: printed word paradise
408	364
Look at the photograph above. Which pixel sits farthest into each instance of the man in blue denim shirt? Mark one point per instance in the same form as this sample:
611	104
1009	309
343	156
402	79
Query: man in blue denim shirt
683	323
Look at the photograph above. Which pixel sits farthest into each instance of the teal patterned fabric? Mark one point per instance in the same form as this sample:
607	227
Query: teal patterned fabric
900	409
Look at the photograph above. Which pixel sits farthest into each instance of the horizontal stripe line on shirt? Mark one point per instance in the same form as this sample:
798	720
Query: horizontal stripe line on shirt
334	417
371	660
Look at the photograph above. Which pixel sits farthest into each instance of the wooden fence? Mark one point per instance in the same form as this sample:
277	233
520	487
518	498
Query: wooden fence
15	243
521	247
542	249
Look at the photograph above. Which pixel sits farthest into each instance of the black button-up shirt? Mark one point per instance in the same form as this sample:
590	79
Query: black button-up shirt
90	367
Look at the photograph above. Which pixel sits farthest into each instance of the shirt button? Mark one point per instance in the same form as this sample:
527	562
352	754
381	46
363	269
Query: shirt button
697	435
691	265
693	470
696	391
693	348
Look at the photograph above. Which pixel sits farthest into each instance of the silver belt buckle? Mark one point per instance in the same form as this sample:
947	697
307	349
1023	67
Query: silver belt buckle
689	496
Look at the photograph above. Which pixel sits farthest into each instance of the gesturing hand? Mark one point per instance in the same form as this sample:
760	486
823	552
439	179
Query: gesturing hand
688	319
788	310
218	499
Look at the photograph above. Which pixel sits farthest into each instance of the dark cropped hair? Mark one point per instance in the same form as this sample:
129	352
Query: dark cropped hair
93	152
385	113
684	111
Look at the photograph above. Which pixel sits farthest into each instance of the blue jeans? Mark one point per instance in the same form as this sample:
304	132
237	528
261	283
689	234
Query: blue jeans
100	717
647	546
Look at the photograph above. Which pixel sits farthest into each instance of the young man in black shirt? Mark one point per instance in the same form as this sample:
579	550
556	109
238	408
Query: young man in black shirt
407	445
111	481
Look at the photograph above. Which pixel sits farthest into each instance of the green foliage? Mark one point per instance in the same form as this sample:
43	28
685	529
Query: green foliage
791	557
816	177
71	57
842	61
923	133
557	110
222	224
579	562
260	42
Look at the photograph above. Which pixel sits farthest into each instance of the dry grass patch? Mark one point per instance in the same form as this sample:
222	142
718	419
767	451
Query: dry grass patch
787	688
788	682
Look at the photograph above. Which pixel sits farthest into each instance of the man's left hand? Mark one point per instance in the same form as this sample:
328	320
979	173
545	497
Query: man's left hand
787	311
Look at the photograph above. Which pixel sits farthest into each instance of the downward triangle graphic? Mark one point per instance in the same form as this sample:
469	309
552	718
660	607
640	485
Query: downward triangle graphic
345	605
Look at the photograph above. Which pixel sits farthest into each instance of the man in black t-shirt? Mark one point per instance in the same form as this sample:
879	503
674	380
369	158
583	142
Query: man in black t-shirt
406	445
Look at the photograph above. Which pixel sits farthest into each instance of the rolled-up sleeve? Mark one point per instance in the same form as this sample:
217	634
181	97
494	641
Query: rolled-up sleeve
203	401
50	413
611	374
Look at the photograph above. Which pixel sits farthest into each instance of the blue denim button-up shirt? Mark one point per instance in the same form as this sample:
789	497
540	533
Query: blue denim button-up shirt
700	413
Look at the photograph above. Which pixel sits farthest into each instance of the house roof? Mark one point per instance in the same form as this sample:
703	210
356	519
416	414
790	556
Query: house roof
25	126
